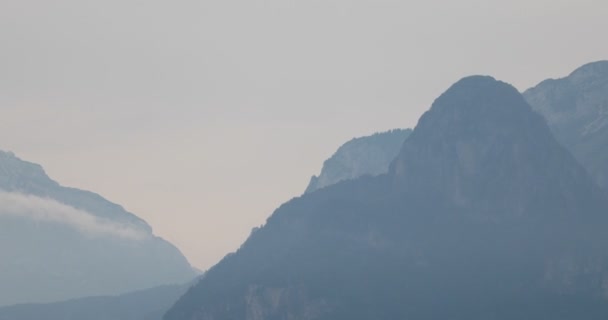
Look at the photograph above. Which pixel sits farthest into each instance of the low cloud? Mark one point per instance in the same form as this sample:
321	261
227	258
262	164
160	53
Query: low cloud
48	210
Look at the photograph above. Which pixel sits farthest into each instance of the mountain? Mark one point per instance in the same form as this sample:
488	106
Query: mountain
149	304
482	215
61	243
370	155
576	109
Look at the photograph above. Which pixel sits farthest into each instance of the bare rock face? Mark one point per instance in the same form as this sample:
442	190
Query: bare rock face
482	215
370	155
285	303
576	109
60	243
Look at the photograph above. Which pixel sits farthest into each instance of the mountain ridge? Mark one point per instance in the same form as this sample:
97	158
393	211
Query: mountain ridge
576	110
61	243
368	155
17	175
501	239
147	304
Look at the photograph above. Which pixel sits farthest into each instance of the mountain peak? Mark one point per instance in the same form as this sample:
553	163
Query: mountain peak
479	92
477	135
13	170
590	71
477	104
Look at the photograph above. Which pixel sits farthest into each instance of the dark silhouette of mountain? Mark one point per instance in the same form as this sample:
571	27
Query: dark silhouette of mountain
370	155
59	243
576	109
482	215
148	304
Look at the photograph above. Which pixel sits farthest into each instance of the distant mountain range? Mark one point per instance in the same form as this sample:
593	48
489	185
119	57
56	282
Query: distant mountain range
149	304
370	155
576	109
483	214
61	243
486	210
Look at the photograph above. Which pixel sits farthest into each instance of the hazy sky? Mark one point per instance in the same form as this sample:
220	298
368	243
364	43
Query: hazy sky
203	116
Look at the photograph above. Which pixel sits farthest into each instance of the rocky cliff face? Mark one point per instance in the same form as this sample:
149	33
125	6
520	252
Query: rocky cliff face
60	243
370	155
482	215
576	109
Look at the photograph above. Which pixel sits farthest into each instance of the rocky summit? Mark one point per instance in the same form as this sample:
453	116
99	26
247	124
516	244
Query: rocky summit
482	215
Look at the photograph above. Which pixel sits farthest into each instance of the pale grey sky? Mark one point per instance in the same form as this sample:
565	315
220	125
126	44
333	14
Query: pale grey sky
203	116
